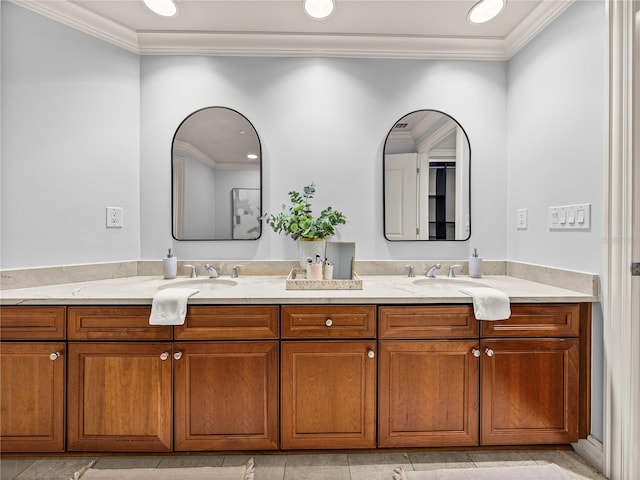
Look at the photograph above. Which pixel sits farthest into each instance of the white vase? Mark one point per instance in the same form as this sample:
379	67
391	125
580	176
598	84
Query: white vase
308	247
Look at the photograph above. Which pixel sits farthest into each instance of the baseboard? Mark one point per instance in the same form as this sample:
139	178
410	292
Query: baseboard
591	450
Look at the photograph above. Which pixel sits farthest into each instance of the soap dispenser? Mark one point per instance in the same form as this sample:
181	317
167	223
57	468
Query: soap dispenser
170	265
475	265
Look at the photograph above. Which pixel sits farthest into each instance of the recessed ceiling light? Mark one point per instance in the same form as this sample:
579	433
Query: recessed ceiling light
166	8
319	8
485	10
252	156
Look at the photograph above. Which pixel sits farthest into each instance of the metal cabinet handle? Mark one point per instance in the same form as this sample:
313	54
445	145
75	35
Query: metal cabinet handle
475	352
164	355
177	355
54	355
489	352
371	353
328	322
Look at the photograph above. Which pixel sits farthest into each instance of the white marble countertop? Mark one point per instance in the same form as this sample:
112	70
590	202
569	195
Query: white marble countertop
263	289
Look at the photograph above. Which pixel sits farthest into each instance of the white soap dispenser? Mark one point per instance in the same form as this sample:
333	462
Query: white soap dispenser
475	265
170	265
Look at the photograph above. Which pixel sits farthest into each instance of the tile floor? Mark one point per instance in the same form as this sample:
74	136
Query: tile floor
322	466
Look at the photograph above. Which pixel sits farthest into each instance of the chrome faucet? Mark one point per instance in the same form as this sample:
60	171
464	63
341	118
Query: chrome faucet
451	272
412	272
213	273
234	271
431	273
193	270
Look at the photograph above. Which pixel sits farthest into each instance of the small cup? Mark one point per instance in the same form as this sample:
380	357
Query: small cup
328	272
314	271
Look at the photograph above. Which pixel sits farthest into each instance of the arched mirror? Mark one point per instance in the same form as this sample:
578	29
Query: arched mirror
427	179
216	161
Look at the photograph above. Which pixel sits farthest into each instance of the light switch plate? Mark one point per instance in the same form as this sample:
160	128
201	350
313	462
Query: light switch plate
570	217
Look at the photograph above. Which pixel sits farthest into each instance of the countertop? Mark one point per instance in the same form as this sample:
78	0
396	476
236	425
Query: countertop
264	289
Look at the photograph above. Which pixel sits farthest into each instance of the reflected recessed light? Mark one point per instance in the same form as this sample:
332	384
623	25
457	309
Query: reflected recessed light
485	10
166	8
319	8
252	156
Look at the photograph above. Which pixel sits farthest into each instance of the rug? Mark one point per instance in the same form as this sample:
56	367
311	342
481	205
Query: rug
533	472
240	472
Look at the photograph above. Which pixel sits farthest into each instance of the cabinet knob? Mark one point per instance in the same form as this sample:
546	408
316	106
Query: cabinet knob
177	355
371	354
164	355
475	352
54	355
489	352
328	322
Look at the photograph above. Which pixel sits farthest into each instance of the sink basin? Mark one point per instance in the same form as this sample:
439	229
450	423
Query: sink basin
446	282
203	284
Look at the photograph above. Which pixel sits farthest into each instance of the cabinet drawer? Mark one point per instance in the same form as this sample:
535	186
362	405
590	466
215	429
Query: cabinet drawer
212	323
559	320
33	323
344	321
427	322
115	323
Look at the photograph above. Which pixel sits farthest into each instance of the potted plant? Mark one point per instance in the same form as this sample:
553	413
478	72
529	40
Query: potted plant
297	221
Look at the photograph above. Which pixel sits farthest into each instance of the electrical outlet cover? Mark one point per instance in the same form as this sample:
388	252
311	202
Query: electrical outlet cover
114	217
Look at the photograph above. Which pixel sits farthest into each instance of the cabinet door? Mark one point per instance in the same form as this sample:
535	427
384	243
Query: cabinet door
529	391
428	393
119	397
32	386
226	396
328	394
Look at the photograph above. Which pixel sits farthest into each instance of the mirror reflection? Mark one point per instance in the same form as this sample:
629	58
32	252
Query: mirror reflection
216	177
427	179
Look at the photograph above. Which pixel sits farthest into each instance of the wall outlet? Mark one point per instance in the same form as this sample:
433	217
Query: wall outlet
521	219
114	217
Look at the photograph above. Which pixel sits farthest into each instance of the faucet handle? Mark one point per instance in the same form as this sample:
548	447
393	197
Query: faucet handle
234	271
451	272
193	270
412	272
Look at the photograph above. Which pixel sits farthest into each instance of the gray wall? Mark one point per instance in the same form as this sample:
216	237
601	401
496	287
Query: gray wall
70	144
325	120
556	152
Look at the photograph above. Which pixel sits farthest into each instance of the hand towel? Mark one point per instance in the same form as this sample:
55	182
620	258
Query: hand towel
489	303
169	306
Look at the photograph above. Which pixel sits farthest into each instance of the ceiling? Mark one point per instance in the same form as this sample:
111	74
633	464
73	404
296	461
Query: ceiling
357	28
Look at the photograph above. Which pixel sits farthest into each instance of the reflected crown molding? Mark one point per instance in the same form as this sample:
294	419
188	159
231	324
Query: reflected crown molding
299	44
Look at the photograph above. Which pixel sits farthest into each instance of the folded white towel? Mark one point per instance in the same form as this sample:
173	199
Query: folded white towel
489	303
169	306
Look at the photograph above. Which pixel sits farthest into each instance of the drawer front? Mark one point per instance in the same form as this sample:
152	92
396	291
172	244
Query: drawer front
33	323
344	321
115	323
427	322
549	320
213	323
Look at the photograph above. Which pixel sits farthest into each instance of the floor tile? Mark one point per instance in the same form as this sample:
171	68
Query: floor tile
317	467
268	467
53	469
440	460
377	466
568	460
142	461
182	461
11	468
515	458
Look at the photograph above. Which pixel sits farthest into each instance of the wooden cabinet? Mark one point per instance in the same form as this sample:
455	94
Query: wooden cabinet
32	379
328	387
531	376
428	383
148	395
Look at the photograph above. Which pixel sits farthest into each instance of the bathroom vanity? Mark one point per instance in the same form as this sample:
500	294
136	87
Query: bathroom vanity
291	370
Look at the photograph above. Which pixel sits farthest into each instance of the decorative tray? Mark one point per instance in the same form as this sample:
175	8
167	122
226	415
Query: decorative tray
297	280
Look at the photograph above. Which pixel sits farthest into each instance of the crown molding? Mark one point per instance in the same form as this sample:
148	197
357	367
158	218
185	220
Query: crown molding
298	45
